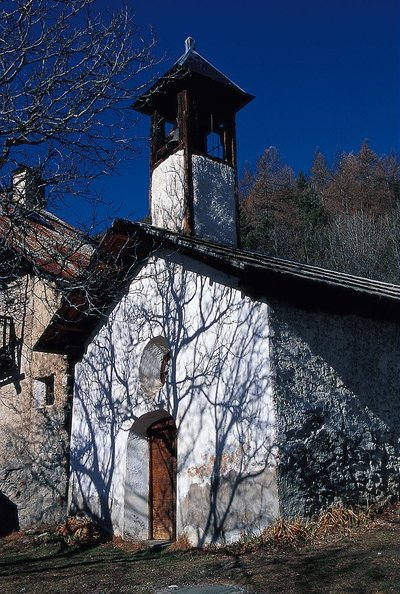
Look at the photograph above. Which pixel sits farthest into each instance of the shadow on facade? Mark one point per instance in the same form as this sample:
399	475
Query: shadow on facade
215	391
10	370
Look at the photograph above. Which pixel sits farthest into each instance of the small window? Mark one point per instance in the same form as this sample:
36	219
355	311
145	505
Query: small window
43	391
7	340
214	145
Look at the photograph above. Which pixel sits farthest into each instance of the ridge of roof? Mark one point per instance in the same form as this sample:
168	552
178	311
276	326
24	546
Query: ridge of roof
242	260
197	63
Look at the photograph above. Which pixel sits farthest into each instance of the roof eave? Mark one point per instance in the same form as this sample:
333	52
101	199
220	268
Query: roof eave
258	276
179	73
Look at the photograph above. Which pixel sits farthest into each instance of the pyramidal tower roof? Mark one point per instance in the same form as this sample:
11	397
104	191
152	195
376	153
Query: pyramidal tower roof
192	69
196	63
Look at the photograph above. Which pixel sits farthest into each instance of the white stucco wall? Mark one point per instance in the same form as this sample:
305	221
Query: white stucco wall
214	200
167	193
218	391
214	205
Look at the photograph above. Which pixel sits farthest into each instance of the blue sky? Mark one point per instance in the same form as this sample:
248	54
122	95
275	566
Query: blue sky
325	73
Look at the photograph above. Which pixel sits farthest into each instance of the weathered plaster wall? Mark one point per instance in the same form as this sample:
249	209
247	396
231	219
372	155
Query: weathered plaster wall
214	203
214	200
33	440
167	193
337	381
218	391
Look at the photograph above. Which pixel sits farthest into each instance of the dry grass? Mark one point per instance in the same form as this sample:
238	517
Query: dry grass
331	554
331	524
285	534
182	543
342	519
78	531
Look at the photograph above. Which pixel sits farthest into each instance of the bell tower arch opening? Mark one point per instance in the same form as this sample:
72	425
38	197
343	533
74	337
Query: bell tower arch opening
215	147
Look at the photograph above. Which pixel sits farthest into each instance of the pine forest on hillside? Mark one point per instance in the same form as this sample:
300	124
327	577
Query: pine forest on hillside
345	217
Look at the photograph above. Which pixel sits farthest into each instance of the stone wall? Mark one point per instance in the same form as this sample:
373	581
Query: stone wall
34	440
337	383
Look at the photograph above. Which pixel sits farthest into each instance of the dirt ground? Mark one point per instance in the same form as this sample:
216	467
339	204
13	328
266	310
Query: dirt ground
365	561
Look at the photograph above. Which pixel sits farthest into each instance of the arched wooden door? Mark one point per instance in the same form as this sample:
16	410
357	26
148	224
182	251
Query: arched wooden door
162	479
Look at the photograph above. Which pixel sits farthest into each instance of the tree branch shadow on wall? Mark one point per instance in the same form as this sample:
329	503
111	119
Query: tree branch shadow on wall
216	391
34	474
35	449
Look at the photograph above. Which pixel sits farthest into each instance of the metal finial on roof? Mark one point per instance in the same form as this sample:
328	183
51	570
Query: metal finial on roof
189	44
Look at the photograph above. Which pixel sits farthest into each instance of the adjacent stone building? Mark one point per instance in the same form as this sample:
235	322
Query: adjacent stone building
40	255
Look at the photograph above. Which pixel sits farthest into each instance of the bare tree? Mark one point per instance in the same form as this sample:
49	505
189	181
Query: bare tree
68	77
268	204
343	217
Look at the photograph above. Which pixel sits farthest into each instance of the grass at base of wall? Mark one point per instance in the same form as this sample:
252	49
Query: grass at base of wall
333	523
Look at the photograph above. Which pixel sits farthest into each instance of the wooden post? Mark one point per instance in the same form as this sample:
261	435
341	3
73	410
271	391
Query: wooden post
183	120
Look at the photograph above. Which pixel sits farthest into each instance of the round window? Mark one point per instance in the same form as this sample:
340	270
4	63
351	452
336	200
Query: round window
153	368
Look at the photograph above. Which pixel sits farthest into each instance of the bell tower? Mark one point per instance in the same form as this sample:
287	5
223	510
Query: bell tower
193	170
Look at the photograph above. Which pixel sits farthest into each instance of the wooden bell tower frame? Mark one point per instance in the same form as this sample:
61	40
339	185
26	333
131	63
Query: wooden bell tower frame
190	106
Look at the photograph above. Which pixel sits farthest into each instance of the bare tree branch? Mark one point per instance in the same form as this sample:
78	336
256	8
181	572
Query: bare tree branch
68	78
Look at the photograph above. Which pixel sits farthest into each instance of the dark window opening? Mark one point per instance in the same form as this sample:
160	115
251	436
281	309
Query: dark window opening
44	391
169	128
164	367
49	383
7	340
206	131
211	137
167	137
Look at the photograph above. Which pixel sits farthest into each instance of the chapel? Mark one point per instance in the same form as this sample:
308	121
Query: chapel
218	389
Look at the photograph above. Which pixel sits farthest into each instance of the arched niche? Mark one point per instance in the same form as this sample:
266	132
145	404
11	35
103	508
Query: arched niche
153	366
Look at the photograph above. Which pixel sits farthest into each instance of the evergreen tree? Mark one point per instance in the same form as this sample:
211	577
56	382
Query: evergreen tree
346	217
